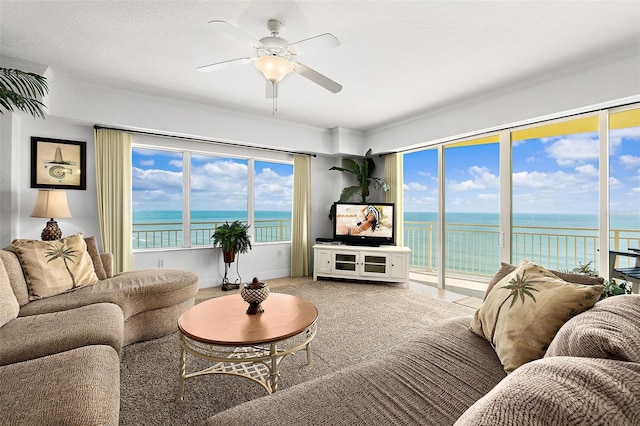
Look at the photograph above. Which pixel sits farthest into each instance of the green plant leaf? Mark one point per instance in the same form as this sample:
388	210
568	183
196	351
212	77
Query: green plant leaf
19	89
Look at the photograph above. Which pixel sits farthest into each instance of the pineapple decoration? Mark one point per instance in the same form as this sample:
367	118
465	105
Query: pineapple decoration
254	293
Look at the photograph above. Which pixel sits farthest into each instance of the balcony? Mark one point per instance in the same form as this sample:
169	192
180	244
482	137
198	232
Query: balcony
471	250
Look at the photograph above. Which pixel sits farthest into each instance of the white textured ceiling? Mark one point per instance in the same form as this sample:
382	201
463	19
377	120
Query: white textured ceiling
397	59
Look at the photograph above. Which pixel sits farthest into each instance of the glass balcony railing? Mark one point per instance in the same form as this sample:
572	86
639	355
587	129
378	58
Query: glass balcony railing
170	234
470	249
473	249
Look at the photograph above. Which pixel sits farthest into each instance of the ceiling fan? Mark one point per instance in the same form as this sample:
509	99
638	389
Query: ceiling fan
275	57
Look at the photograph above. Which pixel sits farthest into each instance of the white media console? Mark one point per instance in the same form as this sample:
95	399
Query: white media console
384	263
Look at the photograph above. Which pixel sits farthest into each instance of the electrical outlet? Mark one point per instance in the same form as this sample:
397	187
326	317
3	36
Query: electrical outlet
279	253
160	263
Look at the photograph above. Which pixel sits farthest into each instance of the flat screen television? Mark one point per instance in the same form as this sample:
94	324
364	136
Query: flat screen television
367	224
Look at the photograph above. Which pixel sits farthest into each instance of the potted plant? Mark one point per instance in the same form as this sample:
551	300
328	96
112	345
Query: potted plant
611	288
233	238
19	89
363	173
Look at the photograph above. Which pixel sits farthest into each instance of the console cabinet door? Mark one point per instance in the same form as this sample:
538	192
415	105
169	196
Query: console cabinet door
398	267
345	262
323	262
374	264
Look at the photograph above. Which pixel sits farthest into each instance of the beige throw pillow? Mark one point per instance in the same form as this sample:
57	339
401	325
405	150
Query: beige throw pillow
53	267
524	311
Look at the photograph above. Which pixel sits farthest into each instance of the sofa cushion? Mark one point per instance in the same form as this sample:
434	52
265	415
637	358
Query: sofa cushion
96	259
77	387
608	330
507	268
12	265
431	380
134	292
54	267
537	303
9	306
563	391
39	335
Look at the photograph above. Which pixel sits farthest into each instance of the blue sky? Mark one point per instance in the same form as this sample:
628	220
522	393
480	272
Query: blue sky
216	183
550	175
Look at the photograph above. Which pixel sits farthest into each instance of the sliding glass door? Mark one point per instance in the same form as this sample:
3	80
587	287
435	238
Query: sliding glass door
420	203
624	181
471	200
555	195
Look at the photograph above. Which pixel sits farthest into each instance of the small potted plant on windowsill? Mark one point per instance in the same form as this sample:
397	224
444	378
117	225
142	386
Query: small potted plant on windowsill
234	239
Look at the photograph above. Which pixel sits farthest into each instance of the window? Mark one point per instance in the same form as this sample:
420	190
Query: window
420	204
555	193
218	194
624	182
157	198
564	187
472	195
273	195
178	193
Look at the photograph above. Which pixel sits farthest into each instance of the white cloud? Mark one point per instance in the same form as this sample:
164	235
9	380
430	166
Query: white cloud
415	186
489	196
147	163
571	149
482	178
176	163
588	169
629	161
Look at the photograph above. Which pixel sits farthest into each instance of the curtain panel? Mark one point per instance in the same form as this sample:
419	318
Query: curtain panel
393	174
113	181
301	217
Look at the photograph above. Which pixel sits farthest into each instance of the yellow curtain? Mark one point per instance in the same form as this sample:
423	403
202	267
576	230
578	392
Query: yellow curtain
393	174
301	218
113	181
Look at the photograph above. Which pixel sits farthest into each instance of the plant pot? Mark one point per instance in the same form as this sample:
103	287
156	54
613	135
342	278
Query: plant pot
228	256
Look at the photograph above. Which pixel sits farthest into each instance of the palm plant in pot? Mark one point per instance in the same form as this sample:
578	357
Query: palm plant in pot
21	90
363	174
234	239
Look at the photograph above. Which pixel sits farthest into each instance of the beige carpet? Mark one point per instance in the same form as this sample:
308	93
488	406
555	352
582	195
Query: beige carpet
356	322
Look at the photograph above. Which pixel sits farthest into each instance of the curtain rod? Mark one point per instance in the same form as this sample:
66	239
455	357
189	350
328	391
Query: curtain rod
188	138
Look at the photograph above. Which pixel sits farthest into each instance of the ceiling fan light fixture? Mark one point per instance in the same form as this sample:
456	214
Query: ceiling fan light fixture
274	68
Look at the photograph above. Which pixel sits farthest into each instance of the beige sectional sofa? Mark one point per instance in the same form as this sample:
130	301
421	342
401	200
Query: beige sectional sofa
59	355
451	375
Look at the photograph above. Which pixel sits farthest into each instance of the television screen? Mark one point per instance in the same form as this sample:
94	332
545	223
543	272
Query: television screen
364	223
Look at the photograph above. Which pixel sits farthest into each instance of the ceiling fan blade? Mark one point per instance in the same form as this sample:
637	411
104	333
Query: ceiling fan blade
223	64
317	78
235	32
322	41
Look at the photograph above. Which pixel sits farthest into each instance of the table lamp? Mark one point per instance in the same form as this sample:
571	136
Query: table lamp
51	203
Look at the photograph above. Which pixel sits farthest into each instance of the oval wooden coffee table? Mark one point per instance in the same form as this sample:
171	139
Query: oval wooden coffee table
250	346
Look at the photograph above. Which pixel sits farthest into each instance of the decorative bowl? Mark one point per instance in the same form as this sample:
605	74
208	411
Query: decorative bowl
254	294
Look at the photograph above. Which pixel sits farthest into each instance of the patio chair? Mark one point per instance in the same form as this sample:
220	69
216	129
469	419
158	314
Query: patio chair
630	274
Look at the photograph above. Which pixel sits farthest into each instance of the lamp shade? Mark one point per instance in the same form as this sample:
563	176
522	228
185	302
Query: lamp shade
274	67
51	204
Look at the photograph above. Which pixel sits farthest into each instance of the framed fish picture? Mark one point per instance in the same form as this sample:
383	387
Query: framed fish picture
58	164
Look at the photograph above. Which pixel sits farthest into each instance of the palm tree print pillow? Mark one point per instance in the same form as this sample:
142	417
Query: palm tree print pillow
523	312
54	267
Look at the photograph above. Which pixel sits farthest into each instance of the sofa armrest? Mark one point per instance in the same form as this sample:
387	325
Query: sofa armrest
107	262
